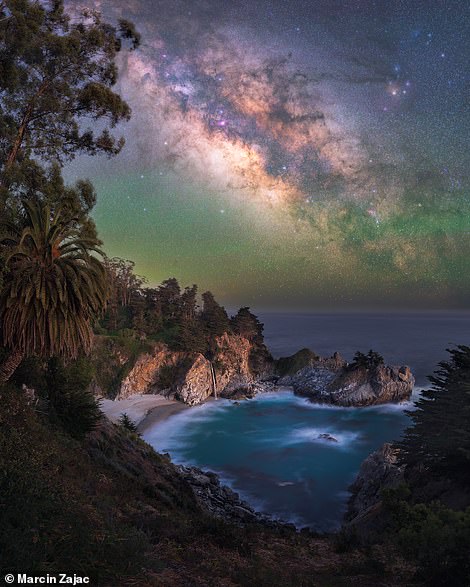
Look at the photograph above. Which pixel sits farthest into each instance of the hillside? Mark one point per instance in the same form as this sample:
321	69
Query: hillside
110	507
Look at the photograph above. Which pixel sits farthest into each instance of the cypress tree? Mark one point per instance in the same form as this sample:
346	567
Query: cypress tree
440	436
214	316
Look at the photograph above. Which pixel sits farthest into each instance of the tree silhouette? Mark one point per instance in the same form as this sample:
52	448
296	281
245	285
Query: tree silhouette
56	73
439	439
53	288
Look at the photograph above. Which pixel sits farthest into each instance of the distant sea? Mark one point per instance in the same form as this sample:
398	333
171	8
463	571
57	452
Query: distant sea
415	339
268	449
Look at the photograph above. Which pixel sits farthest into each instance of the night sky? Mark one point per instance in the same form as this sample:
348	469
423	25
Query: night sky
294	154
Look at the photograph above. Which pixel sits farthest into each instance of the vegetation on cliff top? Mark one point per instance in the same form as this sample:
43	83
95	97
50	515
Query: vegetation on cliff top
169	314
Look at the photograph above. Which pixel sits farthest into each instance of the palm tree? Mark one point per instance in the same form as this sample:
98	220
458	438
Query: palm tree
53	287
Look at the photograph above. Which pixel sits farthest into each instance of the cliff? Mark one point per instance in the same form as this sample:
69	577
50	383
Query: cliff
191	377
332	380
380	470
240	368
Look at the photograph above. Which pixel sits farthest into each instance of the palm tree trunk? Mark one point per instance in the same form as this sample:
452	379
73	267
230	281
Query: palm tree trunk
10	364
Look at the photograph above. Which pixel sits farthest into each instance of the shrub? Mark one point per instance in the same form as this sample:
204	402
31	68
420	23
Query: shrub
370	361
434	536
127	423
71	404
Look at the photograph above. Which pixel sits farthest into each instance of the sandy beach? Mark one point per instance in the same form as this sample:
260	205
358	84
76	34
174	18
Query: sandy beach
144	410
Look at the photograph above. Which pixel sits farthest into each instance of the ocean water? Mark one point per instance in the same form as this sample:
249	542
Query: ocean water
270	448
415	339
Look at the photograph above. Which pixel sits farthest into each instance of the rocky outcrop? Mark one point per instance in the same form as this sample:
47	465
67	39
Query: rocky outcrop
232	363
306	362
345	386
221	501
379	471
288	366
148	373
191	377
196	384
310	381
248	390
240	369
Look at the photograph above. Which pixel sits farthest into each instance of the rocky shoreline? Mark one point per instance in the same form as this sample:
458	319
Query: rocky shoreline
222	502
334	381
189	379
233	373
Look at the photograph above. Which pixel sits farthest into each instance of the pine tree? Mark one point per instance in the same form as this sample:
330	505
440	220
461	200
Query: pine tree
127	423
246	324
169	295
214	316
440	436
190	334
368	361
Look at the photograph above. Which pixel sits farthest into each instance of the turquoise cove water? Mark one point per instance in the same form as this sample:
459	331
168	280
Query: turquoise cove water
270	451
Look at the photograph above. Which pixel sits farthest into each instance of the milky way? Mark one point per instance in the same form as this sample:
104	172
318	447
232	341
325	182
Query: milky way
294	154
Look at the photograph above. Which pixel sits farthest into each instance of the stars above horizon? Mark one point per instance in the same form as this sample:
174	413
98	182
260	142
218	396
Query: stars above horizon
320	144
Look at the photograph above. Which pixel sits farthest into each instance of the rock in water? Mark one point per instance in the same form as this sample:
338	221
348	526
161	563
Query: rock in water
354	387
329	437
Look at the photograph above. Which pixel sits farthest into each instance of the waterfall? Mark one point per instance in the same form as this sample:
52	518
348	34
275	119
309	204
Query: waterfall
214	381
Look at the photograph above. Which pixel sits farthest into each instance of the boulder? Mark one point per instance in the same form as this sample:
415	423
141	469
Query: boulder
222	502
326	436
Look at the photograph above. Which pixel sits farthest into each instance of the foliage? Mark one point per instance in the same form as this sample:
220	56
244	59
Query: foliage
436	537
439	439
54	286
127	423
246	324
172	315
299	360
56	79
213	316
71	404
51	518
369	361
436	452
